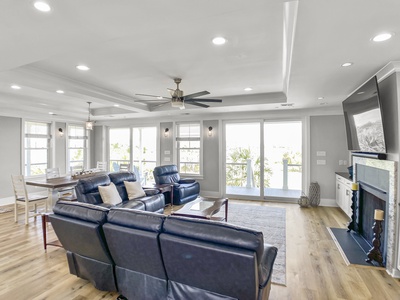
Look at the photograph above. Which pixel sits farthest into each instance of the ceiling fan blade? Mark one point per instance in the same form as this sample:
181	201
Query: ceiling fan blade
198	94
197	104
147	101
204	100
154	107
148	95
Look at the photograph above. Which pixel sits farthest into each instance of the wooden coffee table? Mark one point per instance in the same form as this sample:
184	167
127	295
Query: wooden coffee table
204	208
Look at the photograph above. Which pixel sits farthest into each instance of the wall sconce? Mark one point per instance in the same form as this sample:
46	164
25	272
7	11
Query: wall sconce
210	129
166	132
60	131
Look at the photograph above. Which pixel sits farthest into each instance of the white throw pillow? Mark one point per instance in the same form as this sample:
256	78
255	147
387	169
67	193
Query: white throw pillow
109	194
134	189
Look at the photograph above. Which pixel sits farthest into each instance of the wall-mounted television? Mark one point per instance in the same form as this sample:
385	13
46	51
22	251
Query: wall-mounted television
363	118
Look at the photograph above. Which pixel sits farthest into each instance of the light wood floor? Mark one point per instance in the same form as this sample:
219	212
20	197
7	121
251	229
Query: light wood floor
315	268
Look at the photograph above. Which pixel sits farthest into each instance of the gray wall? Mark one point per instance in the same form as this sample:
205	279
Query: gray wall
211	157
10	153
327	133
61	148
166	144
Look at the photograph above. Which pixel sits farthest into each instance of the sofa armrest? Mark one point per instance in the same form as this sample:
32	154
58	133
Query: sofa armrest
266	264
187	180
151	192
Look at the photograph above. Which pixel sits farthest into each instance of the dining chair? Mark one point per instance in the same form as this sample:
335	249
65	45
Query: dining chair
63	193
23	198
124	167
101	165
52	173
76	169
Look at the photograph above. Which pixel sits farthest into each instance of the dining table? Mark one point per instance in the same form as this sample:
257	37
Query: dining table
53	185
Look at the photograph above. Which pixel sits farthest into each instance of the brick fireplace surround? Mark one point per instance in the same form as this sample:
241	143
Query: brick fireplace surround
370	171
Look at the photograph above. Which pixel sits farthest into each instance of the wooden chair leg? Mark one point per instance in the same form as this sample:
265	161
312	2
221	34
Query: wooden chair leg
26	213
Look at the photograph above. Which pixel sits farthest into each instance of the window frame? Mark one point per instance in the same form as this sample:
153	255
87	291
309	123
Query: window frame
85	148
48	148
179	139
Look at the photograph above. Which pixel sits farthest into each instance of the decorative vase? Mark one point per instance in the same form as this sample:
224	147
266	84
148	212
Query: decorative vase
314	194
304	201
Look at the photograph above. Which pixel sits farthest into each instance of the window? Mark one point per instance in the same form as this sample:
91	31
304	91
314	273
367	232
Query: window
77	145
120	149
37	141
144	145
189	148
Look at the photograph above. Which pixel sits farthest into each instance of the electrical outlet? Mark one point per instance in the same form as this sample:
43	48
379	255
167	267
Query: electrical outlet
340	162
321	162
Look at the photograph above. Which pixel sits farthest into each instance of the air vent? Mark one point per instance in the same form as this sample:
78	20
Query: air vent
287	104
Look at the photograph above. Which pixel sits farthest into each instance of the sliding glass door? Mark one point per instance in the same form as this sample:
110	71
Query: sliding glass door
283	159
263	159
242	158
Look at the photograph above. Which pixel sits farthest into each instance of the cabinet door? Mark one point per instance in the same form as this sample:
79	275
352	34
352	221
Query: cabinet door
347	201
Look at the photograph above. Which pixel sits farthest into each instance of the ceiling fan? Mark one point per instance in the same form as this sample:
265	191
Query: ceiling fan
178	99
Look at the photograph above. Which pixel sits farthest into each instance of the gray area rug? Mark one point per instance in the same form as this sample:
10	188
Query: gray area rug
272	222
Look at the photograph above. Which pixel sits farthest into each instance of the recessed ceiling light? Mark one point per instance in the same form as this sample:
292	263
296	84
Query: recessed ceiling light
323	103
83	68
159	97
320	98
219	40
51	113
248	89
15	87
347	64
116	105
42	6
382	37
60	92
360	93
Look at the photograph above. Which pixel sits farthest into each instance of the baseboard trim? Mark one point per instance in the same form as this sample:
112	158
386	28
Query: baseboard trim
7	201
210	194
328	202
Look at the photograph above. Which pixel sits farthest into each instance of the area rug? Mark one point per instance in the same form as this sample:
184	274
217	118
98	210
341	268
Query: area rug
272	222
352	247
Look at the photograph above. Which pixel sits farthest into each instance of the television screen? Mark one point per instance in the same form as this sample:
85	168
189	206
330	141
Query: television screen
363	117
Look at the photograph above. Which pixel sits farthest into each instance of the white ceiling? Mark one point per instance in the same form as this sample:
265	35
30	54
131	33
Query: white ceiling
287	51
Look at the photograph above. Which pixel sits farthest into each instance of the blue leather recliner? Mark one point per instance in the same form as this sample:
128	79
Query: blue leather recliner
185	190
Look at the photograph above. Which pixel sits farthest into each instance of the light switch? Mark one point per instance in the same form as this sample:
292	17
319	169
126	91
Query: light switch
167	152
321	153
321	162
167	159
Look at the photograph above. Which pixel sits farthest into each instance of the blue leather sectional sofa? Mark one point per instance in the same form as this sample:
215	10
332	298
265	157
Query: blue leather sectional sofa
147	255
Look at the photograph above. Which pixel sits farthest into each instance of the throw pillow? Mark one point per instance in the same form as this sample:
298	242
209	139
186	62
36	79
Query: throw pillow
109	194
134	189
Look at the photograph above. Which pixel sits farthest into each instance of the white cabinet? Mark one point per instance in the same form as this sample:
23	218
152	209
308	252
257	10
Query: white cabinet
343	194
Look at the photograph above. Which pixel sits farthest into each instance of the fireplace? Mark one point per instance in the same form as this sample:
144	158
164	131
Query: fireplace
370	199
378	182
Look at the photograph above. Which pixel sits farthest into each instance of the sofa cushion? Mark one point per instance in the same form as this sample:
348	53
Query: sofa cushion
82	211
109	194
134	189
